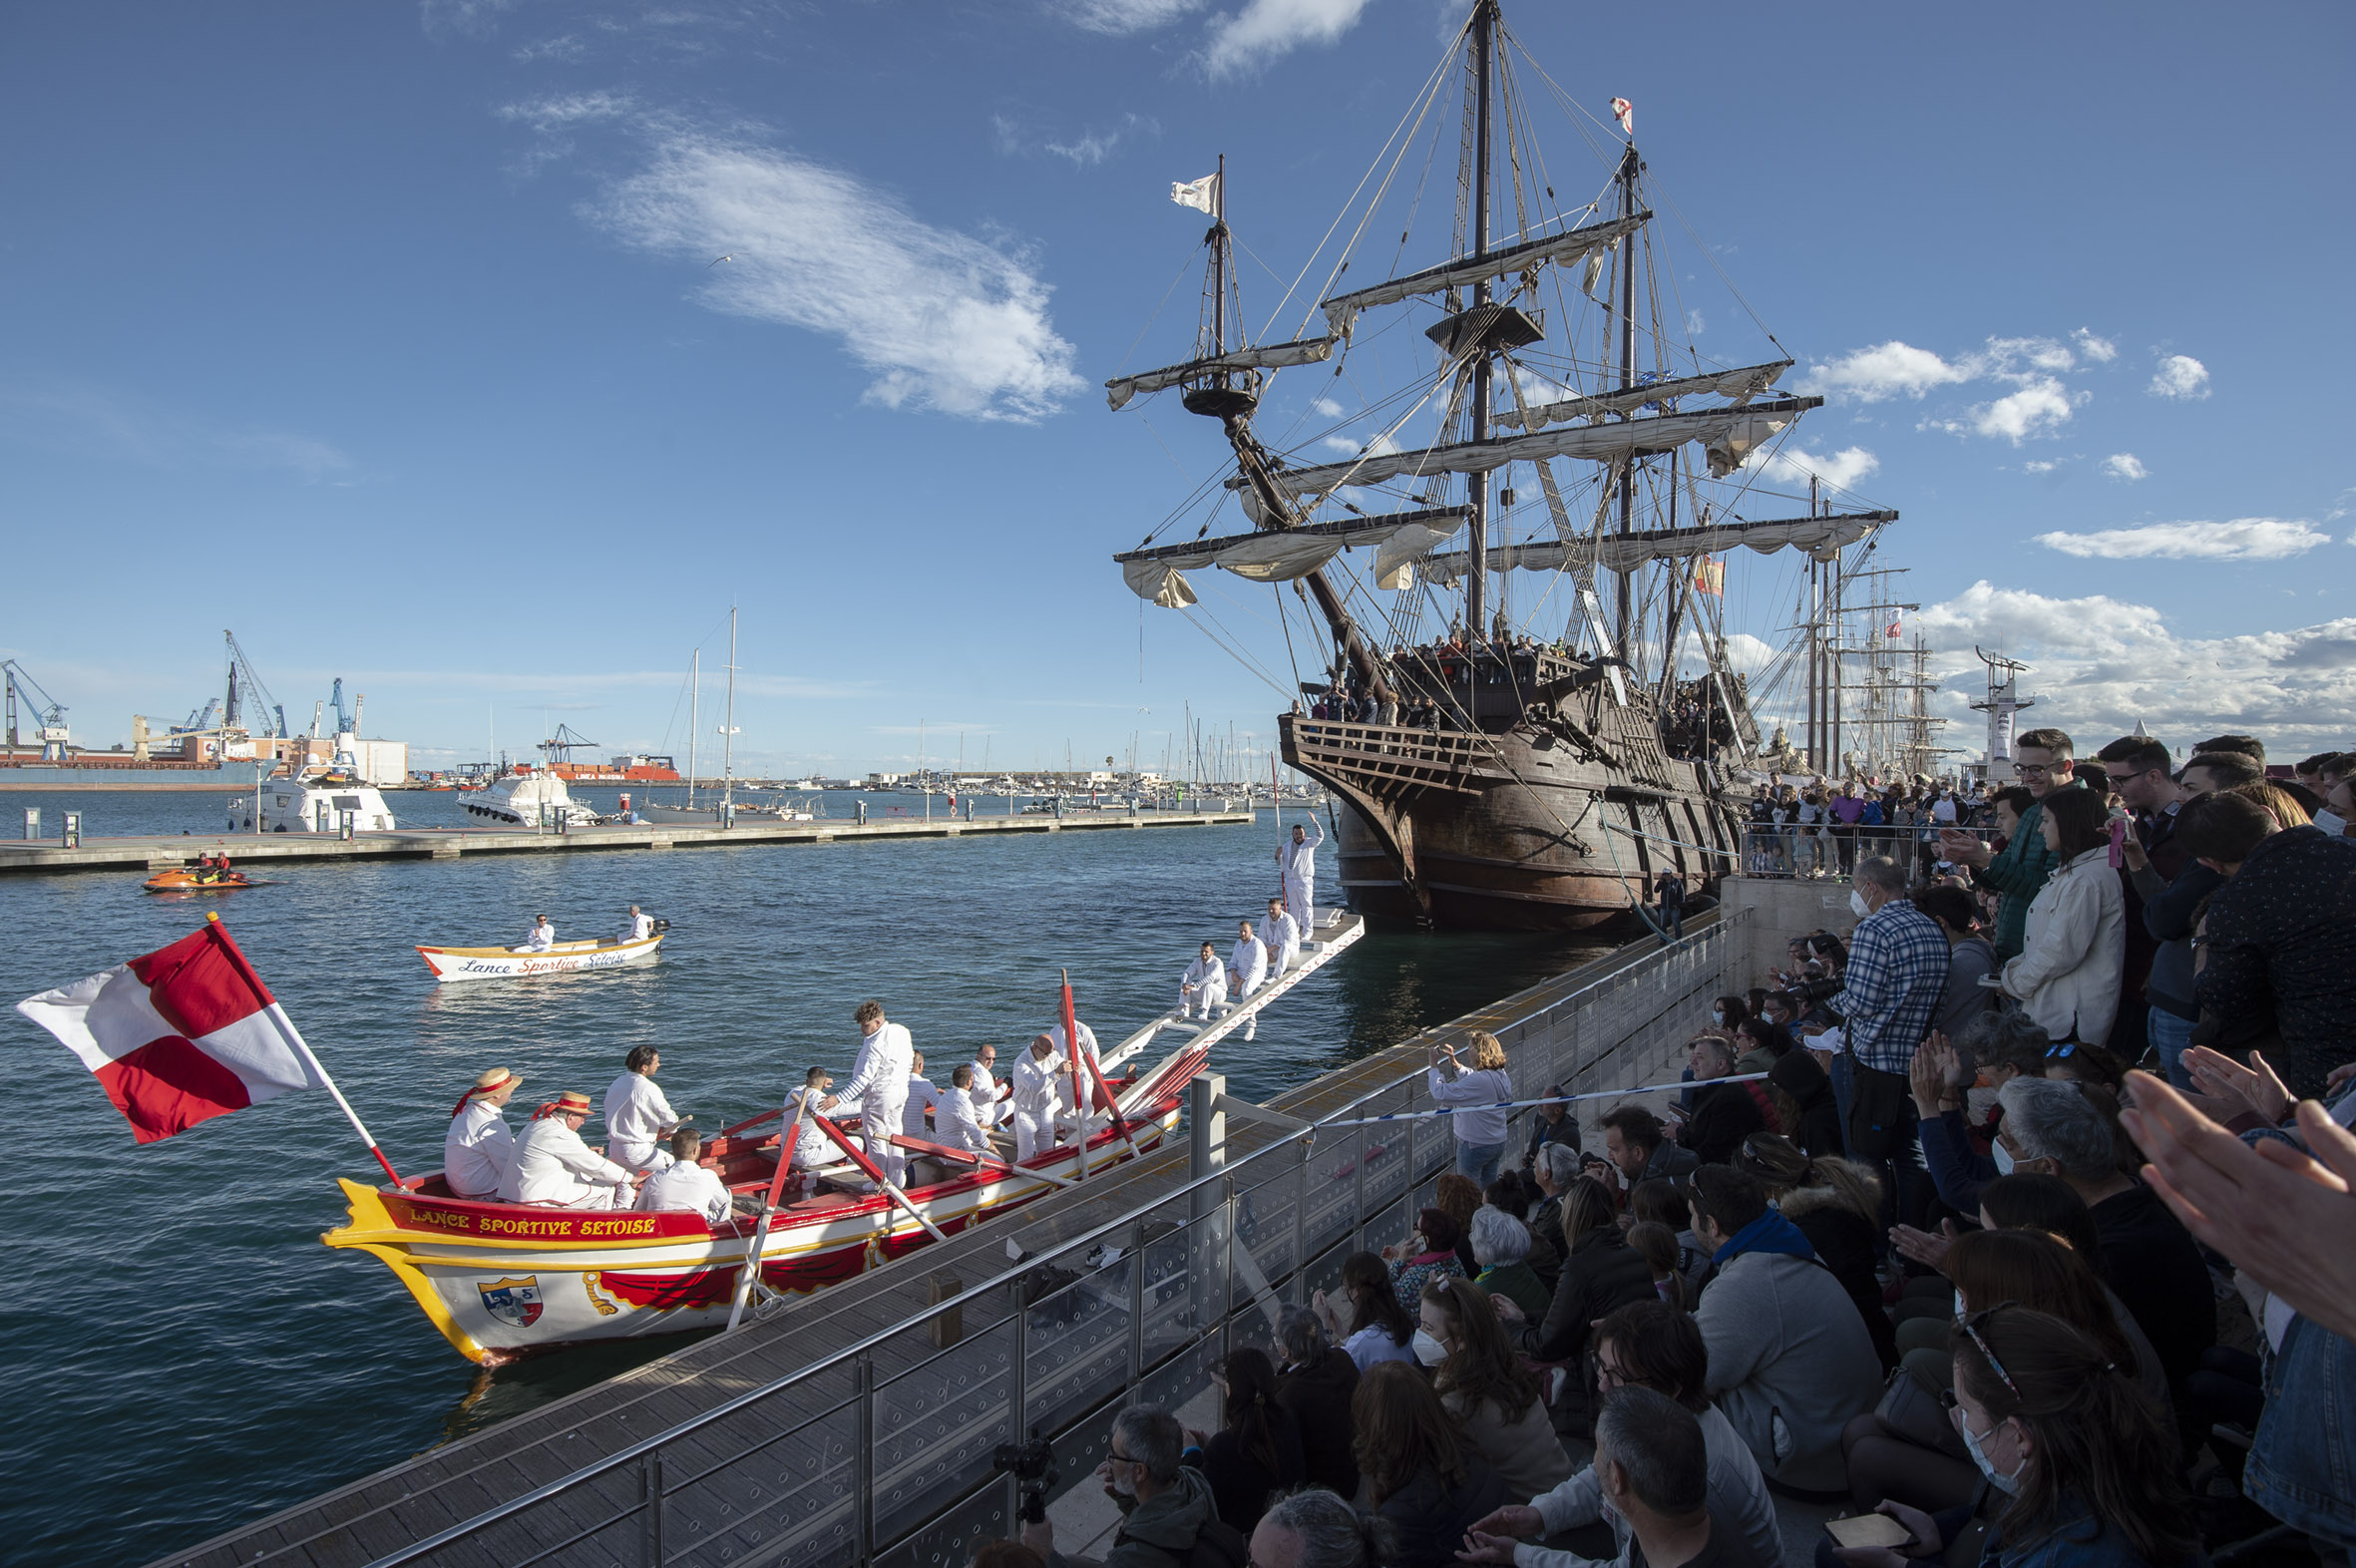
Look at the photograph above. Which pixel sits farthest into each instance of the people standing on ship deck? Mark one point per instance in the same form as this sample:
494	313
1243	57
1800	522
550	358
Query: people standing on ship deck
1038	1073
638	927
1204	986
685	1184
555	1169
540	937
879	1082
479	1149
1298	861
637	1117
1279	933
1247	970
921	1097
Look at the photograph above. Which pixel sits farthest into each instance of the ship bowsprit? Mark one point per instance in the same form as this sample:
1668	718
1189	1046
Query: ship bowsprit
1516	831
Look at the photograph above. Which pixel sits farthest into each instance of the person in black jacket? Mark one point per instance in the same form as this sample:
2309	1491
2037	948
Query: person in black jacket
1256	1451
1837	1204
1600	1272
1313	1387
1724	1113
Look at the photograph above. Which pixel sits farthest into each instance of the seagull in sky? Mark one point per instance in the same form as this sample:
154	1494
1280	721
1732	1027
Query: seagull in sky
716	260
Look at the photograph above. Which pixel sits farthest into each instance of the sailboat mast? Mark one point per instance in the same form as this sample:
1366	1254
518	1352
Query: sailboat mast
728	729
695	718
1627	167
1219	259
1477	486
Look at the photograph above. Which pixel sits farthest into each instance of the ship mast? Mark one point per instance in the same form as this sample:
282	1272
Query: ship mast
1627	474
1477	486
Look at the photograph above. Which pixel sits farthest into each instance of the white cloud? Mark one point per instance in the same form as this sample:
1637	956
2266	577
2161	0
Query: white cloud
2100	663
943	320
1266	29
1119	17
2127	466
2040	466
2179	376
2243	539
1090	147
1885	370
1327	407
2099	349
2038	409
1694	324
1792	465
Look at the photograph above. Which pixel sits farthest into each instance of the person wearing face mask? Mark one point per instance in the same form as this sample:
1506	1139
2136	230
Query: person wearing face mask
1896	975
1428	1253
1489	1388
2057	1428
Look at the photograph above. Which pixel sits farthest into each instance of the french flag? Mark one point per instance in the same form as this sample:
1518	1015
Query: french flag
183	1035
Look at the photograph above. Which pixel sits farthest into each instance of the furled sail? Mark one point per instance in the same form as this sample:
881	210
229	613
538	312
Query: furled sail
1742	384
1271	356
1342	311
1822	537
1279	554
1729	435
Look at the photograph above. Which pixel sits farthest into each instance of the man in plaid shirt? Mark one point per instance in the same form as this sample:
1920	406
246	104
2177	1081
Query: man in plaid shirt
1891	988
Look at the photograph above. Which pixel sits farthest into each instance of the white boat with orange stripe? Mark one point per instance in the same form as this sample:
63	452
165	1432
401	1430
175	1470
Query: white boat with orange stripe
504	1280
564	957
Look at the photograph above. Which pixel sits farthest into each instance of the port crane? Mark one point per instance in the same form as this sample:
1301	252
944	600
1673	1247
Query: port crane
566	740
254	688
46	709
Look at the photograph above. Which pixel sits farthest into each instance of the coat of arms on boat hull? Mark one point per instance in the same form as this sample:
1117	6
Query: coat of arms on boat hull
514	1302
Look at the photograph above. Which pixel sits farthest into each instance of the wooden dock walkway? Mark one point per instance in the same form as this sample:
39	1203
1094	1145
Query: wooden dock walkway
248	850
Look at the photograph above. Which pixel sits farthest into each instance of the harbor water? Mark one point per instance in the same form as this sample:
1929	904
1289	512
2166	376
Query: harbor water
181	1353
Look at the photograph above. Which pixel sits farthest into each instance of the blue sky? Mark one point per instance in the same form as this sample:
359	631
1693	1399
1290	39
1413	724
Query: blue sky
388	337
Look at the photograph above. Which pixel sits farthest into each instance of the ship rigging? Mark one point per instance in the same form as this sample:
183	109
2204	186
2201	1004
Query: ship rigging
1503	719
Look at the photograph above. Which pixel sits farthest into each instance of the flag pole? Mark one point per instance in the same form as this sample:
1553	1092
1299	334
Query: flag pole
294	1040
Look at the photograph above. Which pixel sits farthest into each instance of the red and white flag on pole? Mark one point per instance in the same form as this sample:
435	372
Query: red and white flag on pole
186	1033
1624	111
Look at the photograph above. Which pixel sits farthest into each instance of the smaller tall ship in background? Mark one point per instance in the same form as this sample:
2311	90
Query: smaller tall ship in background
1512	558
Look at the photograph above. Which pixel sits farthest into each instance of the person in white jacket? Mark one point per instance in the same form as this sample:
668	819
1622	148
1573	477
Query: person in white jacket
958	1122
556	1169
1296	861
479	1147
1203	986
684	1184
1482	1090
2074	950
1279	933
1037	1075
539	938
879	1082
923	1096
637	1115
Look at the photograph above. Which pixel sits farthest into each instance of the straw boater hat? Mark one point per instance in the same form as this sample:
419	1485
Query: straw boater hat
495	1078
573	1103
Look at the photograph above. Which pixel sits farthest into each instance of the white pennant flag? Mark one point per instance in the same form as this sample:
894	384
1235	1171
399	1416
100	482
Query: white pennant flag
1201	194
1624	111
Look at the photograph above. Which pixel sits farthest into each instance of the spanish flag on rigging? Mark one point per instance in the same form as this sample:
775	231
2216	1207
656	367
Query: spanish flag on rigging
1710	575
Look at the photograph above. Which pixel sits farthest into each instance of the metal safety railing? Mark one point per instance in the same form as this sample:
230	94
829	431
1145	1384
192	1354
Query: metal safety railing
882	1453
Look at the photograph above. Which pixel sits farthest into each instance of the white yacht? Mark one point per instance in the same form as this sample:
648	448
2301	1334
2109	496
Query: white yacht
526	797
314	803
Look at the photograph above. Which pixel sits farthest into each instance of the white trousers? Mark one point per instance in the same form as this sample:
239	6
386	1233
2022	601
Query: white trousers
1033	1133
879	1124
648	1157
1300	901
1202	999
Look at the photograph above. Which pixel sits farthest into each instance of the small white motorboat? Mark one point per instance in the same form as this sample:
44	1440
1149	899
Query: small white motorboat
461	964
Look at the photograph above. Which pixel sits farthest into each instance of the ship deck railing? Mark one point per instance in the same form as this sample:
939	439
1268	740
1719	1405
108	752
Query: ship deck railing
880	1451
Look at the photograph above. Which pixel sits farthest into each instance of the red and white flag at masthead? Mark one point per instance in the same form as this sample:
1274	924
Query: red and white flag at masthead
1624	111
184	1035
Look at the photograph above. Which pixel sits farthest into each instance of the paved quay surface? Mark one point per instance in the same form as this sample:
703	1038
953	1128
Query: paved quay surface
251	852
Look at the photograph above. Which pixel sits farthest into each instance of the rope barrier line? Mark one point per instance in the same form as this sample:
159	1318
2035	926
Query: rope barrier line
1558	1100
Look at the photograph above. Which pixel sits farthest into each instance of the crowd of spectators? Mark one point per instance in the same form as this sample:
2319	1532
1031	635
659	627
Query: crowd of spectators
2032	1238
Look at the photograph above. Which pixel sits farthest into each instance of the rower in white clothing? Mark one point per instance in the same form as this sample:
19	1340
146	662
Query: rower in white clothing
555	1169
684	1184
991	1107
1204	986
1298	862
1279	933
812	1148
637	1117
921	1097
1247	970
542	937
479	1149
879	1082
639	927
957	1124
1038	1077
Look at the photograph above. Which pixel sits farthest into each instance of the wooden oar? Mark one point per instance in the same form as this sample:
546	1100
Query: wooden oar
875	1173
945	1152
786	1143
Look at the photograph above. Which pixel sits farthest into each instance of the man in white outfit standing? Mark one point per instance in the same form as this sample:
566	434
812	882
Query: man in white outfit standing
637	1117
479	1149
1298	861
923	1097
1037	1075
1204	986
879	1081
555	1169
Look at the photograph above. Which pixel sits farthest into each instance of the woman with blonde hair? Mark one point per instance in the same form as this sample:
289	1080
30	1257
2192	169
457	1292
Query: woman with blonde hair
1480	1093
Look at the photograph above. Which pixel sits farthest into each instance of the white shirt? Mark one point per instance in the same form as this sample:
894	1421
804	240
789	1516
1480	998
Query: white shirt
1036	1083
1205	971
685	1186
880	1077
640	928
813	1148
1281	934
637	1117
1299	859
958	1123
542	938
921	1097
1943	811
1247	967
554	1166
477	1151
986	1095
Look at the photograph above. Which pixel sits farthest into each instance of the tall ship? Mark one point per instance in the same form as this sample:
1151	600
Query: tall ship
1510	562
